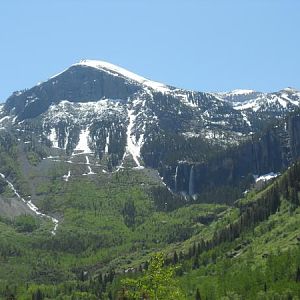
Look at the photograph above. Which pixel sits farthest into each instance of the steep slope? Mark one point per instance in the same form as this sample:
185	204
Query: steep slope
104	104
250	250
88	148
257	107
105	117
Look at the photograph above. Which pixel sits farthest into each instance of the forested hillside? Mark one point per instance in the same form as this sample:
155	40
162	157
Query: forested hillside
113	186
249	250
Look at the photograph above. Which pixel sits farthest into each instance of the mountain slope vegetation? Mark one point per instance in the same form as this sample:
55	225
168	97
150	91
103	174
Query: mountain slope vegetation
108	180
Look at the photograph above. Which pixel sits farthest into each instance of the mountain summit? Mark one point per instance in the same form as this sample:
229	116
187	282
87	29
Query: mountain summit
96	111
121	72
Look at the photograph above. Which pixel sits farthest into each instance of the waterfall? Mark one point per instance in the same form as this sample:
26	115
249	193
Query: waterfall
175	179
191	182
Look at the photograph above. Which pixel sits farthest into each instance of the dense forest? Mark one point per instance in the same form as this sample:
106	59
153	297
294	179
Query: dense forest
249	250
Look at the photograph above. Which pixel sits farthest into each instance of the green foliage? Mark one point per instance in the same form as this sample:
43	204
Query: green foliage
3	185
26	223
157	283
33	158
129	213
110	223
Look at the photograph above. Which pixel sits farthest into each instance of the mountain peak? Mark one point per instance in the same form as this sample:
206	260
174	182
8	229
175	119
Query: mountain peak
118	71
290	90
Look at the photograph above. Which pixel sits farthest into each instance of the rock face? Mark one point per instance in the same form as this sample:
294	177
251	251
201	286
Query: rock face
272	151
199	142
79	83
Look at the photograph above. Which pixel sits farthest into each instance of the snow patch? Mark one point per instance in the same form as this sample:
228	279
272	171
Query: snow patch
133	146
53	138
66	177
83	145
90	171
247	105
185	100
118	71
245	118
240	92
106	143
190	134
266	177
4	118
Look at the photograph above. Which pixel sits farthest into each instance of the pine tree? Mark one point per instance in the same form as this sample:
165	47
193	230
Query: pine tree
298	275
198	296
81	275
129	213
36	295
196	263
194	249
175	258
181	255
100	279
110	297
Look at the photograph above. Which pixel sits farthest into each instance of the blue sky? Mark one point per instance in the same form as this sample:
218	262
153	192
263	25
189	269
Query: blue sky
209	45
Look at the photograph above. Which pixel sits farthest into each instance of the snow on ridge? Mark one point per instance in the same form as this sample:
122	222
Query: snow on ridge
266	177
4	118
290	90
185	100
241	92
119	71
283	98
253	104
237	92
66	110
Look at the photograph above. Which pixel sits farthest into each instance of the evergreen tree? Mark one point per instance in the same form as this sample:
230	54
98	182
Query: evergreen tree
298	275
196	263
175	258
198	296
181	256
129	213
37	295
194	249
110	297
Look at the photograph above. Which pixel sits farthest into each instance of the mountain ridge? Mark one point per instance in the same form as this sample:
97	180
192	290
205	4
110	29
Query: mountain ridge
96	111
110	171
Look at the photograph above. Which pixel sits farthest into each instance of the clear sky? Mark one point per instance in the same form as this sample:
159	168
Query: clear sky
205	45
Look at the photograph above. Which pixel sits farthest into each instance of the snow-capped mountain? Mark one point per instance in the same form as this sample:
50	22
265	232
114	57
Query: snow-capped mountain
257	107
257	101
238	95
106	117
116	111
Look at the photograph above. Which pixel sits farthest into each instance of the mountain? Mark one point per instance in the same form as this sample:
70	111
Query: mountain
238	95
95	111
101	168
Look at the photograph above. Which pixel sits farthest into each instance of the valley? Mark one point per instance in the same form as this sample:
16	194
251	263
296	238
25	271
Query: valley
101	169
